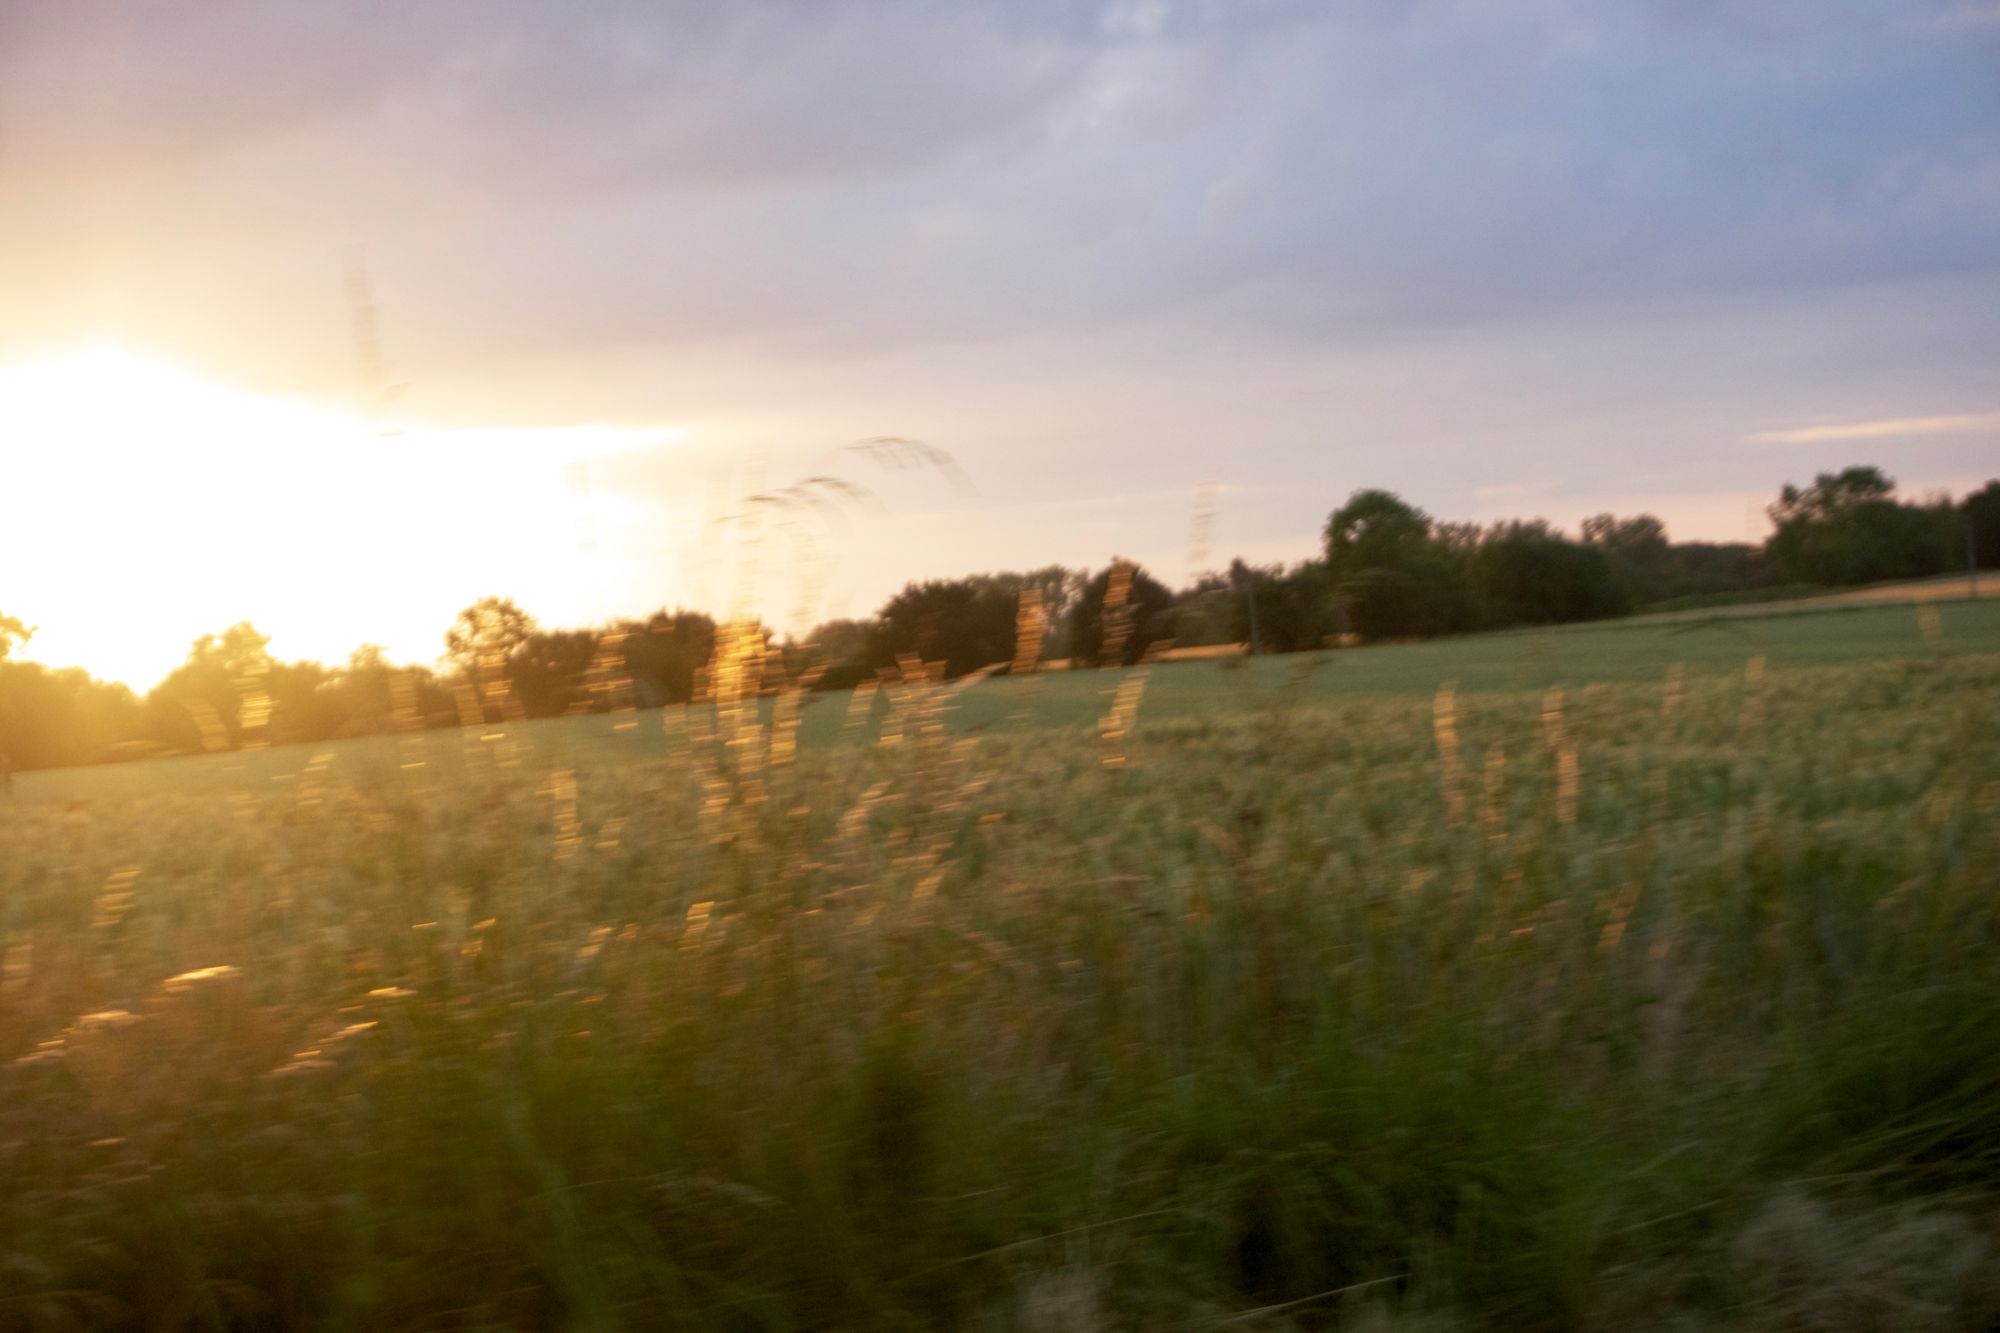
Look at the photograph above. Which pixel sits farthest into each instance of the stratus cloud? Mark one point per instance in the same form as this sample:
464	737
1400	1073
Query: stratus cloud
670	170
1888	428
1427	246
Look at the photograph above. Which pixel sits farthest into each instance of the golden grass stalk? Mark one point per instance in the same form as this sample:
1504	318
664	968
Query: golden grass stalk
471	717
253	716
736	680
1028	630
312	781
114	900
860	706
1493	796
1116	724
1568	776
403	700
786	714
568	824
913	702
494	690
1753	693
697	924
1451	765
499	748
408	716
214	736
606	680
724	732
1117	613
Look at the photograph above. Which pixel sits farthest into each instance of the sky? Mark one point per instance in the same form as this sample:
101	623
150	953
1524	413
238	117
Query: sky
336	315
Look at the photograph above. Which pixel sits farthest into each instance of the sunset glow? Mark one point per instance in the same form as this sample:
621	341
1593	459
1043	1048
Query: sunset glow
1016	665
155	507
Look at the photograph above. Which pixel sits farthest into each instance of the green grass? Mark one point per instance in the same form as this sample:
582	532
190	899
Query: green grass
1698	601
1221	693
976	1031
1577	655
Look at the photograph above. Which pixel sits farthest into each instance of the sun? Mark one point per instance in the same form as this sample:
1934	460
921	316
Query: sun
150	506
130	482
114	405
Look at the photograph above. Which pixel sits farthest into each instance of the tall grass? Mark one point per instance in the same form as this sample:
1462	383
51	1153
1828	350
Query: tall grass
1258	1027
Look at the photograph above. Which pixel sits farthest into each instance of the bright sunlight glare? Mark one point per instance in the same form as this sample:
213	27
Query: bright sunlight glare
150	507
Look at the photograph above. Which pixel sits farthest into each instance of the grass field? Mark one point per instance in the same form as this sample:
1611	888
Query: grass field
1316	999
1772	601
1624	651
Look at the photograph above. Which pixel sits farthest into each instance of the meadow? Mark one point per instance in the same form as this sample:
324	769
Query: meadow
1644	976
1638	650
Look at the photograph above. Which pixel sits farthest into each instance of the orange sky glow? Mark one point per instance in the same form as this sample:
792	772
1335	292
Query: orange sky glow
336	324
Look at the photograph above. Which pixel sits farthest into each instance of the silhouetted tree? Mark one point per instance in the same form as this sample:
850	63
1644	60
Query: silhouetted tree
491	626
1428	597
1376	530
202	702
548	670
1147	614
480	646
1529	574
965	623
51	719
838	649
1640	555
305	703
1706	568
364	694
1203	612
362	698
664	652
1847	528
1981	511
1392	575
1296	608
12	632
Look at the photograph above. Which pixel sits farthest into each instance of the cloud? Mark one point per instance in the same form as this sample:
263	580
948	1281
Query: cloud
1972	14
1434	243
518	95
840	177
1888	428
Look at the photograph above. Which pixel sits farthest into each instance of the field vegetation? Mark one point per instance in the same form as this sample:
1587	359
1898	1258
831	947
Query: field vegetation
1387	572
1644	982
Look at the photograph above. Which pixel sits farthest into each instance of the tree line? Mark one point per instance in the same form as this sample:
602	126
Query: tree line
1385	570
